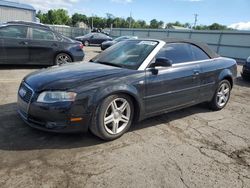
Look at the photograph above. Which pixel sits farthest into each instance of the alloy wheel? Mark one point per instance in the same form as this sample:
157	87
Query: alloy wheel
223	95
63	58
117	116
86	43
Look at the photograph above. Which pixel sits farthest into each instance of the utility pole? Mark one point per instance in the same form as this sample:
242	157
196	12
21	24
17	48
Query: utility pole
92	22
130	19
195	20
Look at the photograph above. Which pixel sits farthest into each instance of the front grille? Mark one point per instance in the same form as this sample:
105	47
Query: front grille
25	92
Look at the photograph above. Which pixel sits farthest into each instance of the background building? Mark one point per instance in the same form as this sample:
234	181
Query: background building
82	25
10	11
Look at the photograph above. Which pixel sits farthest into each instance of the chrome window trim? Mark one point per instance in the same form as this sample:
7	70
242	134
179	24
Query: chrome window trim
194	62
189	63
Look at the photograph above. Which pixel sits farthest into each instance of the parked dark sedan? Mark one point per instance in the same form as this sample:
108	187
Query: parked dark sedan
32	43
132	80
246	70
107	44
93	38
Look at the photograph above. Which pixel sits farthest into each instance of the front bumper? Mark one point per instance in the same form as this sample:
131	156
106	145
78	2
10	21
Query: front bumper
52	117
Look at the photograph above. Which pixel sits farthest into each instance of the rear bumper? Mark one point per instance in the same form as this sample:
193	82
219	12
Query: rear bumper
78	56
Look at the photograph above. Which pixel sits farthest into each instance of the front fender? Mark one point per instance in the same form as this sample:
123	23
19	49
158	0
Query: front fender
130	90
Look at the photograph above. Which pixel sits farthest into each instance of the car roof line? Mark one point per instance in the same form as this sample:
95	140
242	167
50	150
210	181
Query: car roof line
201	45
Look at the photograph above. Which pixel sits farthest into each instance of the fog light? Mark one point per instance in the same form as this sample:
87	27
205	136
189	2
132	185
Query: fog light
51	125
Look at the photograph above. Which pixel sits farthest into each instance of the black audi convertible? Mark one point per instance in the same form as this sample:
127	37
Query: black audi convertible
130	81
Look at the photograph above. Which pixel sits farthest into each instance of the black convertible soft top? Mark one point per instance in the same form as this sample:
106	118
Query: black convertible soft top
201	45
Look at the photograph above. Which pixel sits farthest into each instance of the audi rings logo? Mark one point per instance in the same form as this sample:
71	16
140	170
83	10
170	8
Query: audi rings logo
22	92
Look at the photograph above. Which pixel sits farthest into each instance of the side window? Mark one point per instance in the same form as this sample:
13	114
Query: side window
95	36
176	52
198	53
15	31
40	34
100	35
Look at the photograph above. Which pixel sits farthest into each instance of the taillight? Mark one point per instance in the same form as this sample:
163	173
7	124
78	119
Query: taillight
81	46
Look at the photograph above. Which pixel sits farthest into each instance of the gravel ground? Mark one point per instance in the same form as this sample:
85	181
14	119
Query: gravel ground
193	147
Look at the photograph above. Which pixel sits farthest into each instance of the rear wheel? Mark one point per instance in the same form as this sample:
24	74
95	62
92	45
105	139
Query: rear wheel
113	117
86	43
62	58
221	96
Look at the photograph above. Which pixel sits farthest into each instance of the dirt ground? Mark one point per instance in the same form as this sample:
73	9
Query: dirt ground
193	147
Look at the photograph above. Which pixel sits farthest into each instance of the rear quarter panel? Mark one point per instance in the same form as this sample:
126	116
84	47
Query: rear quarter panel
71	48
212	72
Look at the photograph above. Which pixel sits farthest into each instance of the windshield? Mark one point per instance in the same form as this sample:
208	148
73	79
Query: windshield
127	54
120	39
88	35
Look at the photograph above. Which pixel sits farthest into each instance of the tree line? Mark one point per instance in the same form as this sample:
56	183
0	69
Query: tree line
61	17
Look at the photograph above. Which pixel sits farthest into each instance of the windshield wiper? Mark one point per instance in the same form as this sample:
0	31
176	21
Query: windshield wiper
111	64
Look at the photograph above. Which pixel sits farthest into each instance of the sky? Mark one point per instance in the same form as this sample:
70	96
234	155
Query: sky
233	13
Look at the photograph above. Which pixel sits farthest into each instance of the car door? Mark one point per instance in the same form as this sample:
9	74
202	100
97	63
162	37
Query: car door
175	86
103	38
42	46
94	39
208	73
98	38
13	44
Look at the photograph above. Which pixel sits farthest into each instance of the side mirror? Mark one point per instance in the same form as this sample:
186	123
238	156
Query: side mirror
162	62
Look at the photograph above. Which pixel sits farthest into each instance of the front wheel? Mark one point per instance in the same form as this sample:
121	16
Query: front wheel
221	96
113	117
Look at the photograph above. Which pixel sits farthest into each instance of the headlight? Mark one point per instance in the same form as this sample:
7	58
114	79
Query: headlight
56	96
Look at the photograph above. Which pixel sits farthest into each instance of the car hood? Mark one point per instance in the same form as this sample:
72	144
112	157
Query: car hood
71	75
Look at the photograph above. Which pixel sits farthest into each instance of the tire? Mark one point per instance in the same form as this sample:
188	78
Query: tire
116	124
86	43
221	96
62	58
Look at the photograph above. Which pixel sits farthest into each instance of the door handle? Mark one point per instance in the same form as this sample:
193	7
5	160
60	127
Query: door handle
54	45
196	73
23	42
